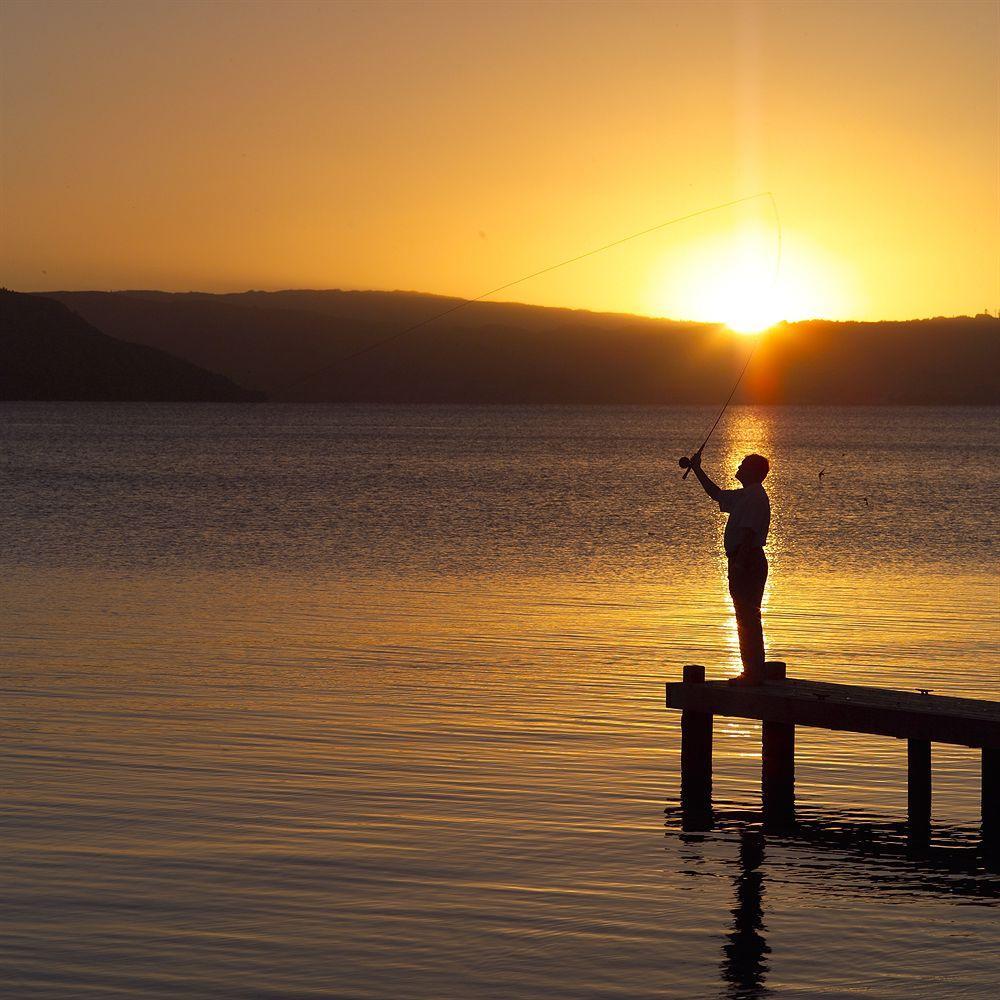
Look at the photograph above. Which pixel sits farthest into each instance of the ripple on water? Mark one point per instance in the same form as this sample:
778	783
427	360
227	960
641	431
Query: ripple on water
345	706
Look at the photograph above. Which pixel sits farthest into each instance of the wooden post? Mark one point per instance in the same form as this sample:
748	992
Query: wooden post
918	788
696	760
991	796
778	773
775	670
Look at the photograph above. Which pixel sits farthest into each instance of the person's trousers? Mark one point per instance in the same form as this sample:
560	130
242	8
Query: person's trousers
747	577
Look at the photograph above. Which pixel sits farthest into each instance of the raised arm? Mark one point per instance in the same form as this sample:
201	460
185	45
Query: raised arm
709	487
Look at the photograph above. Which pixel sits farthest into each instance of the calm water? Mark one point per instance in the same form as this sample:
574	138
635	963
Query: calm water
367	703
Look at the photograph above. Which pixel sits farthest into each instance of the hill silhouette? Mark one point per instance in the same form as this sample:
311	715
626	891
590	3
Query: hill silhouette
497	352
49	352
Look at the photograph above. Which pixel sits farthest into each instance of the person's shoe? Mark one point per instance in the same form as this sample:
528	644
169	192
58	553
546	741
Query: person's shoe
747	680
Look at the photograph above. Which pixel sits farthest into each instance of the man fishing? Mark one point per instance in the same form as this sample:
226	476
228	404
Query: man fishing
749	511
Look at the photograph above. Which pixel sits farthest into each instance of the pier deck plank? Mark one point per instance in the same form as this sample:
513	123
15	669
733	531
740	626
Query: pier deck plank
847	707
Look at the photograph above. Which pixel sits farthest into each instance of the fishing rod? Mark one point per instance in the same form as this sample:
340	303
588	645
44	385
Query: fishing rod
684	462
534	274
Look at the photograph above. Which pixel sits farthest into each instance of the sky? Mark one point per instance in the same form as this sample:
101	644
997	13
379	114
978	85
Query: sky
455	147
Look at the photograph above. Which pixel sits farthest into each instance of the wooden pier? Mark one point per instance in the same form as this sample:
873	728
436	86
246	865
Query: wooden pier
782	703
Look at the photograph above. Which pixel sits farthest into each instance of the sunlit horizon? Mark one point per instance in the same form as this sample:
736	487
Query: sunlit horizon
380	146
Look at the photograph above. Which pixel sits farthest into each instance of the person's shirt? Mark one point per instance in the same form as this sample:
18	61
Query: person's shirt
750	508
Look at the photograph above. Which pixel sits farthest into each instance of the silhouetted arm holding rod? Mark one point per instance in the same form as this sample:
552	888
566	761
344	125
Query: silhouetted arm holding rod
707	485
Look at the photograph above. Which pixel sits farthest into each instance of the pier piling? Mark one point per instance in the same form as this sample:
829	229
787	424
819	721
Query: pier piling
918	789
991	796
782	703
696	760
778	773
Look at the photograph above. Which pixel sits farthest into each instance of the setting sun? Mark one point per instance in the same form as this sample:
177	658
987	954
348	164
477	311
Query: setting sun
747	308
745	281
739	283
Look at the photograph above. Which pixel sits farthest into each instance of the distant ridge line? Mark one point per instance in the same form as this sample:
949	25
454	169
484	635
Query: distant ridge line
414	293
498	352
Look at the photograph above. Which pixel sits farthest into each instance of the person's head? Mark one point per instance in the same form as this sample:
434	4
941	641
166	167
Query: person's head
752	470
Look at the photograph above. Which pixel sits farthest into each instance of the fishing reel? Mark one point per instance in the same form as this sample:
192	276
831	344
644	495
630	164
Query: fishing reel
685	463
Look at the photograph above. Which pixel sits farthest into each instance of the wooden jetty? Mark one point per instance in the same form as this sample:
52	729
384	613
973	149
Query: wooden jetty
782	703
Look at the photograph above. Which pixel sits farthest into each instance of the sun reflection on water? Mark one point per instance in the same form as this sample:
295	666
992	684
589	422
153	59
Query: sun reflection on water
419	717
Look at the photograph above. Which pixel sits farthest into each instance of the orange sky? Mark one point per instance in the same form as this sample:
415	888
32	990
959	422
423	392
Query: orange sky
454	147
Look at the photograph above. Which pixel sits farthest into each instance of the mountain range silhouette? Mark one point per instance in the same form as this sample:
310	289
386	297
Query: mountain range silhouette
48	352
287	345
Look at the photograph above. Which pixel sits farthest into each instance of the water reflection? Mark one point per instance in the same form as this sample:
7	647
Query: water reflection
370	700
831	855
743	965
869	852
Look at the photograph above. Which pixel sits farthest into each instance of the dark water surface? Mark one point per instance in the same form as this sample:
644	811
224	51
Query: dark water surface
368	703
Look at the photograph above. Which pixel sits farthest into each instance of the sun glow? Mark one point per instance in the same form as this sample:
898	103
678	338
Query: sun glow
746	304
739	280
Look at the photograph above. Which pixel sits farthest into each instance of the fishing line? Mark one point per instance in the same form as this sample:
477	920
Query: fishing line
368	348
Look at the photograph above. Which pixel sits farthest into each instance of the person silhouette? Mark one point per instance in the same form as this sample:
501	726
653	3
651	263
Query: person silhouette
749	511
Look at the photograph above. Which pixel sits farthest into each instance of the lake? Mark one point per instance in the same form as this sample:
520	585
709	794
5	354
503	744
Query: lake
367	702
